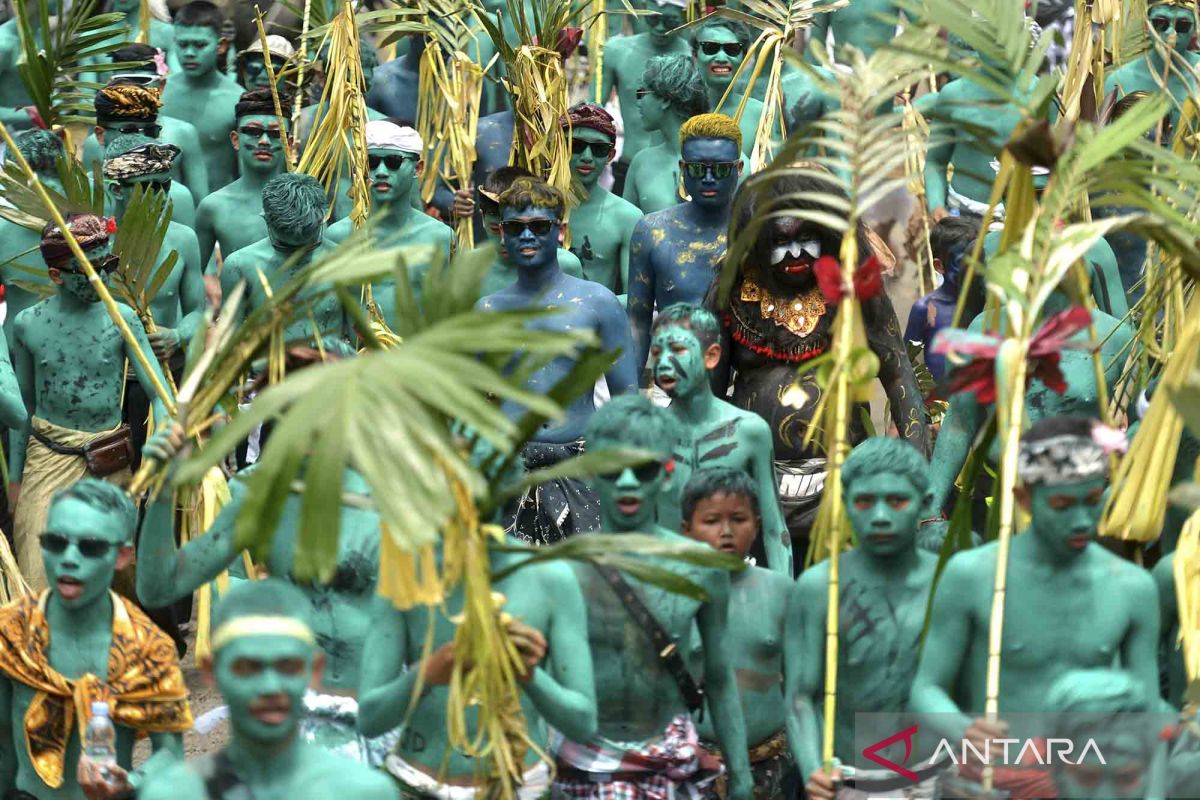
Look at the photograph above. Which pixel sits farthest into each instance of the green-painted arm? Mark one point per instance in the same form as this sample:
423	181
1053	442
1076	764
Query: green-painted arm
777	540
945	647
803	659
386	687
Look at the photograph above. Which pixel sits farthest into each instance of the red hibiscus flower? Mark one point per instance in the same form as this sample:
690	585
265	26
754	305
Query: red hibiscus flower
110	225
1045	351
868	279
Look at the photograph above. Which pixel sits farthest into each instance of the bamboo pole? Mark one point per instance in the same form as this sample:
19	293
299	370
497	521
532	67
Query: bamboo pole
303	60
143	36
93	277
288	150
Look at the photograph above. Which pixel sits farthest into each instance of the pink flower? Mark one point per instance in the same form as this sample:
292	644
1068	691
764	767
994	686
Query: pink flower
160	63
1110	440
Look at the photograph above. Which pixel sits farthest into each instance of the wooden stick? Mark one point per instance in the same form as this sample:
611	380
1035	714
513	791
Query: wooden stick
93	278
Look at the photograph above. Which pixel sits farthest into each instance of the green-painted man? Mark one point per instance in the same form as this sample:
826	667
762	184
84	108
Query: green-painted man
76	649
252	70
70	362
602	223
647	743
264	658
1056	573
720	508
625	59
394	167
719	47
203	95
865	24
1170	59
671	93
882	592
685	345
676	252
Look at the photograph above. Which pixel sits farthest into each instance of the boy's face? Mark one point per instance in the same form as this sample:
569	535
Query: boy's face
198	48
628	498
718	54
590	151
679	363
1064	516
82	549
725	522
885	511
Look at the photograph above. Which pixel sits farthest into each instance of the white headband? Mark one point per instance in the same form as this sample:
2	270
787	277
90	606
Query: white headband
261	625
385	135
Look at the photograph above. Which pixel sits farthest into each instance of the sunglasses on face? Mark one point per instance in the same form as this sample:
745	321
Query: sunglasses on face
732	49
255	67
163	186
1183	25
145	129
641	93
698	169
643	472
256	132
515	227
89	547
599	149
391	162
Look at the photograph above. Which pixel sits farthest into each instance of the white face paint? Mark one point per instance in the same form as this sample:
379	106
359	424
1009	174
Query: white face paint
792	251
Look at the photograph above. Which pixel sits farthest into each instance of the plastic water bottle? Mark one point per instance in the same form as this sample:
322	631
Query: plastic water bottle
99	740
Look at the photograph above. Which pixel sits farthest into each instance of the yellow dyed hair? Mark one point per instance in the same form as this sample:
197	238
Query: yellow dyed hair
711	126
533	193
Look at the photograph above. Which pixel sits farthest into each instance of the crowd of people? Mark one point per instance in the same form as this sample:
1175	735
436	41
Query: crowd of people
627	688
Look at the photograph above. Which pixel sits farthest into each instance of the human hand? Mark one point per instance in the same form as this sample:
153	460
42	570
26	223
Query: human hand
94	785
164	342
212	291
530	644
165	444
983	730
464	203
823	785
437	669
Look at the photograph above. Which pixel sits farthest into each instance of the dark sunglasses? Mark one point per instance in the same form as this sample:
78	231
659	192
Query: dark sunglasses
256	66
515	227
88	546
1183	25
698	169
145	128
643	92
643	472
105	266
256	132
732	49
392	162
163	186
599	149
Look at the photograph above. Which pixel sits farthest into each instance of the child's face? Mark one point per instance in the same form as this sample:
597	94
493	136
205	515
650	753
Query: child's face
724	521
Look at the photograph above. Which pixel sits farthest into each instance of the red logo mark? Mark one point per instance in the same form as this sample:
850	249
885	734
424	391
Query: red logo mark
871	753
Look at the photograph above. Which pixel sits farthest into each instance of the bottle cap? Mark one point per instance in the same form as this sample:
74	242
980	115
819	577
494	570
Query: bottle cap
99	708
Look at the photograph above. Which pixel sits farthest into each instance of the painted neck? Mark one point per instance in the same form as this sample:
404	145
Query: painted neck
669	127
253	179
893	564
715	92
69	302
696	407
707	216
1042	553
258	762
538	277
398	211
78	622
205	80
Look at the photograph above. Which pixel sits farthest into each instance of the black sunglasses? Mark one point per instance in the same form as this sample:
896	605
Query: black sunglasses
145	128
256	66
89	547
698	169
642	92
643	472
599	149
163	186
515	227
732	49
392	162
256	132
1183	25
105	266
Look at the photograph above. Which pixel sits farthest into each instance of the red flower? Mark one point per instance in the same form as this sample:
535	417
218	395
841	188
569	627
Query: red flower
110	225
868	279
669	467
1045	351
568	39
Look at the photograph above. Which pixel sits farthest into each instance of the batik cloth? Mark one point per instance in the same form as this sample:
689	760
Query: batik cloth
144	689
557	509
46	472
666	768
417	785
770	763
331	722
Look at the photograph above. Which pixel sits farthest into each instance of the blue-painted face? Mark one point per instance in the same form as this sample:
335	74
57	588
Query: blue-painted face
710	169
884	510
529	236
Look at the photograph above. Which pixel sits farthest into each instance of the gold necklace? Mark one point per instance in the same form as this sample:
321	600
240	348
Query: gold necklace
798	314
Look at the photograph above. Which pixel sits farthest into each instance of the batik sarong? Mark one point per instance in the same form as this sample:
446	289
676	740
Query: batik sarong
557	509
770	763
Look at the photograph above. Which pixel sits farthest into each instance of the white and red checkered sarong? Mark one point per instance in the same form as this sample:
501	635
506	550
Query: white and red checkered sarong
672	767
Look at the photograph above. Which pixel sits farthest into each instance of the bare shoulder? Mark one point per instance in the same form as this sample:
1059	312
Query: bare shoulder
1113	568
178	781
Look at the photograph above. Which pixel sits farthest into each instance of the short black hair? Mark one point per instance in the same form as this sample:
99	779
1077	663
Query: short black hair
689	316
732	25
497	183
1062	425
261	102
134	51
953	235
712	481
200	14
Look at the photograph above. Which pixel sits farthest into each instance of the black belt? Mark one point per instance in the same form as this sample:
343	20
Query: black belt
895	782
53	446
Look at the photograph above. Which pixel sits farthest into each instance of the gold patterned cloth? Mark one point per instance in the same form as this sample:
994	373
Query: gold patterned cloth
144	691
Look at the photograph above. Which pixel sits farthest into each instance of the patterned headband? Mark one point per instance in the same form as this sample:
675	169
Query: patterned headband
146	159
1068	458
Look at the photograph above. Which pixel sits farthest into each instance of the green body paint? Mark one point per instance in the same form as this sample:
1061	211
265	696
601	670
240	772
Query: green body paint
1171	30
717	70
602	224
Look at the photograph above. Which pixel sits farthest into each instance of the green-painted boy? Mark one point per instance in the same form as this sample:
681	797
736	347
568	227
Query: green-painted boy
720	509
70	362
1170	59
78	645
602	224
252	66
882	591
685	345
203	95
264	657
647	743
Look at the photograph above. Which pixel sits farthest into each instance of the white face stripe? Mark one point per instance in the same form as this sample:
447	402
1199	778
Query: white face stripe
794	249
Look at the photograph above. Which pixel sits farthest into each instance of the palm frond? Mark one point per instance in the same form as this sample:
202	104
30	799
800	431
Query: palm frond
138	244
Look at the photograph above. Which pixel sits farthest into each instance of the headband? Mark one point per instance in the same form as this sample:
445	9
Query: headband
384	135
128	101
262	625
146	159
588	115
89	230
277	46
1068	458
